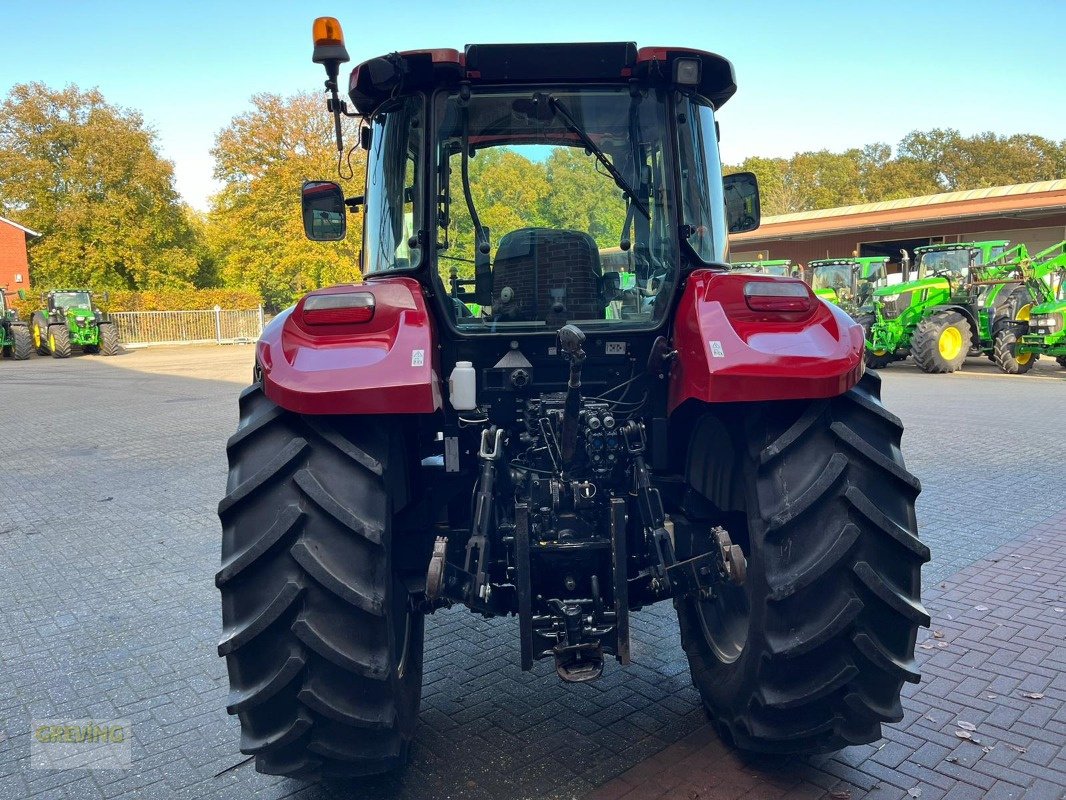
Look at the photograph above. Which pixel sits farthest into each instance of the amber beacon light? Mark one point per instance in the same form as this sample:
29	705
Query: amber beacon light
331	53
329	41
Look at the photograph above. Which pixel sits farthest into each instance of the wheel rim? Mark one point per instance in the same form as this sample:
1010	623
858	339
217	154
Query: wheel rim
52	341
880	352
724	619
36	336
950	342
1023	358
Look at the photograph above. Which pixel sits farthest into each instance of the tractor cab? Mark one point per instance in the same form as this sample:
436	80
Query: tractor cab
76	303
957	263
781	267
528	187
848	282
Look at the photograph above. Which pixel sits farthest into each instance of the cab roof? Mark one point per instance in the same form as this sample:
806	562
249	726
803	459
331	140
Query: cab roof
374	81
818	262
962	245
779	262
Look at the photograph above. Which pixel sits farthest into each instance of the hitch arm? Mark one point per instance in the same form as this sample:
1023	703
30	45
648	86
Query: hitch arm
694	575
484	513
650	505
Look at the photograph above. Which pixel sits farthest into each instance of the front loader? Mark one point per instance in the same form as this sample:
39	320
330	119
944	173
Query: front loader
15	339
1043	332
492	419
71	319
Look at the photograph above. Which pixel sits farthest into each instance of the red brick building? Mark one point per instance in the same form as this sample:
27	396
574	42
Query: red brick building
14	269
1029	213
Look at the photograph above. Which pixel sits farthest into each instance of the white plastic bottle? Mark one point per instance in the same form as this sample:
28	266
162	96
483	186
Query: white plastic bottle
462	386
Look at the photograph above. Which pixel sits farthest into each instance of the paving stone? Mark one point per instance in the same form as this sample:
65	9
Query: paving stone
125	621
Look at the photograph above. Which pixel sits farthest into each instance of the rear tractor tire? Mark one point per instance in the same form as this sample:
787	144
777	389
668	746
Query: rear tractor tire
941	342
108	339
59	341
39	334
22	342
810	653
323	650
1061	360
1005	357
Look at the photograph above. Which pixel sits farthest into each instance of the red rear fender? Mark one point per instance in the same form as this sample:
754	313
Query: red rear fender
728	352
387	365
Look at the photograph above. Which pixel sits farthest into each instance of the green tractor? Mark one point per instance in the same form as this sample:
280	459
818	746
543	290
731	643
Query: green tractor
14	335
781	267
848	282
968	299
1046	333
71	320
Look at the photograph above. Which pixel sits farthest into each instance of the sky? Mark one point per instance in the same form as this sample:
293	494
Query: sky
811	75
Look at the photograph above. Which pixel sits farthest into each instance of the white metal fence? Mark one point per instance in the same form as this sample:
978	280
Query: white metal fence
213	326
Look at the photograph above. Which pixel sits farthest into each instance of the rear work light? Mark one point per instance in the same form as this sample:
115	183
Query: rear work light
338	309
785	296
687	71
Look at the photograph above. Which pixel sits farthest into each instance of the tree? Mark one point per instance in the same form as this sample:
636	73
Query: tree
508	191
583	198
925	162
955	162
255	227
88	176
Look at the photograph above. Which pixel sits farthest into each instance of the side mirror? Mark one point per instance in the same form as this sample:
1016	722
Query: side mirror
324	212
741	201
107	297
22	294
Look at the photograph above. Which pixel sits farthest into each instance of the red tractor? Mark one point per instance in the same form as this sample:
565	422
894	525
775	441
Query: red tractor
550	399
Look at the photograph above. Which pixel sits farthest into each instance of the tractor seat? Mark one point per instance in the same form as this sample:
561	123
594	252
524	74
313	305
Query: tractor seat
547	274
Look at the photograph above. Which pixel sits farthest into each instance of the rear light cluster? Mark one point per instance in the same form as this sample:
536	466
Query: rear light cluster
338	309
781	296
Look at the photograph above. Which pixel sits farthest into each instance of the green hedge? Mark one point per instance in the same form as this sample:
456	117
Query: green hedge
156	300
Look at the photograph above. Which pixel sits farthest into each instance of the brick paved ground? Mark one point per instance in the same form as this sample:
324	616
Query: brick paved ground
109	544
994	661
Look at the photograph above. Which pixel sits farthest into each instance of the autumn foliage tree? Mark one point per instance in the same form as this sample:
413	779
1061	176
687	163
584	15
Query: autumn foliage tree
254	227
924	162
88	176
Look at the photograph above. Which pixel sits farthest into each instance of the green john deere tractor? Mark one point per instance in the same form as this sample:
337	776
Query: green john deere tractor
968	299
781	266
1046	333
848	282
14	335
71	320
